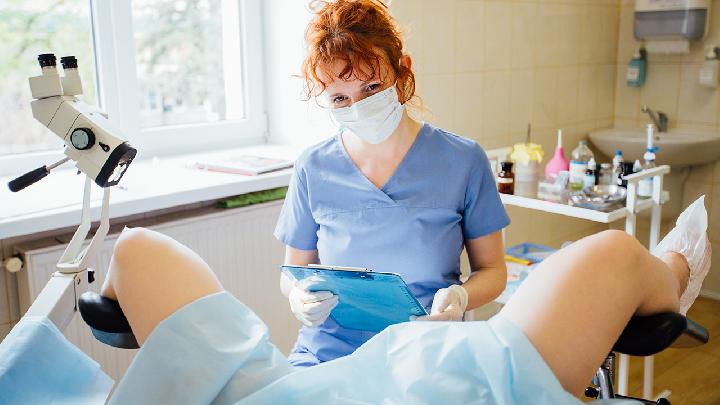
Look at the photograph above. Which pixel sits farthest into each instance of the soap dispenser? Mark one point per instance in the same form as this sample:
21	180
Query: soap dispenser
710	70
637	68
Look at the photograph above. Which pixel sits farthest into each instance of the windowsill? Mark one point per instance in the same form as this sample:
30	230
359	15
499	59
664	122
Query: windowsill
149	185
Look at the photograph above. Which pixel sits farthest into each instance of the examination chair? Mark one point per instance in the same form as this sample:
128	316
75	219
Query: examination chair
643	336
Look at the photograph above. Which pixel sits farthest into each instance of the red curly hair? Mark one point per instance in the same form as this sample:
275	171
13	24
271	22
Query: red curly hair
360	33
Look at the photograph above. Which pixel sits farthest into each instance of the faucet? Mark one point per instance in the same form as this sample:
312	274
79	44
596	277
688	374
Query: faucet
660	119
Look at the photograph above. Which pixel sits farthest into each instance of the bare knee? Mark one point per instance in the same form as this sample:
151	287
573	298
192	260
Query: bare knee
619	247
131	243
620	241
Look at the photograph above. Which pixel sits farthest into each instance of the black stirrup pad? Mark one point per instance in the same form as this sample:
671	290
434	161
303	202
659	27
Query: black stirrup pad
648	335
106	321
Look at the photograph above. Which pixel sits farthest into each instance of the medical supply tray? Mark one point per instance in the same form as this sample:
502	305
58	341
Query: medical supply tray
369	301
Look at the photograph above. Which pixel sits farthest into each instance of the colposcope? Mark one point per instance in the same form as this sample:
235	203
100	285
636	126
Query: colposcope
91	142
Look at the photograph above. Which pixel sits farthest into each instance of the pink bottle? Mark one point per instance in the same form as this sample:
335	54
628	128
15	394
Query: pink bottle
558	162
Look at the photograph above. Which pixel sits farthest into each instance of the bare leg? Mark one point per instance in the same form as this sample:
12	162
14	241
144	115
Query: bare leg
576	303
151	276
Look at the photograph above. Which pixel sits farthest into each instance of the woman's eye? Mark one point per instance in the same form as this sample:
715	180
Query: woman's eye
339	99
373	87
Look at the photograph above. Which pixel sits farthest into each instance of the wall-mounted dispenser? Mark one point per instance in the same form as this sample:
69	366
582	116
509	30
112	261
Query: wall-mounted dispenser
635	76
668	26
710	70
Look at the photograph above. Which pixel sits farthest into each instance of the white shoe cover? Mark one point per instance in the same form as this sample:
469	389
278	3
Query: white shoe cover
689	238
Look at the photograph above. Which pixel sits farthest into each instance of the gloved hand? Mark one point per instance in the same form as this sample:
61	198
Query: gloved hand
449	304
311	308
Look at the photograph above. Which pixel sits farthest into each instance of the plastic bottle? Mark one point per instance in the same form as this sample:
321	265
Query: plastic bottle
506	178
606	174
645	186
578	165
617	167
589	179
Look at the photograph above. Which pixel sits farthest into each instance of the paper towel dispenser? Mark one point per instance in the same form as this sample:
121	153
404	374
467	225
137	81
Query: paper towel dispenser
663	20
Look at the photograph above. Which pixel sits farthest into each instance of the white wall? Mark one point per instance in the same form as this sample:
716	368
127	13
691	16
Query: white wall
292	120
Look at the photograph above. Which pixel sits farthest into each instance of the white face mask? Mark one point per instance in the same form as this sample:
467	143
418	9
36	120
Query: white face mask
372	119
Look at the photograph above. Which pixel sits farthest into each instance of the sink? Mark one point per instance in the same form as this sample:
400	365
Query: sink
678	147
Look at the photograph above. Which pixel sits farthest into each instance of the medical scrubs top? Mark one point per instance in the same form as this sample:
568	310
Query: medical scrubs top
441	193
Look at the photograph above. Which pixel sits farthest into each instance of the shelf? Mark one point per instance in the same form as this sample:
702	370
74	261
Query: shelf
576	212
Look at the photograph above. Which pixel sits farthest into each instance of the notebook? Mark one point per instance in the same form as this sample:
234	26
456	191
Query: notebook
248	165
369	300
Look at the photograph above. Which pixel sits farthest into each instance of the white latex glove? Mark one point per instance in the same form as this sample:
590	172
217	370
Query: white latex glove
311	308
449	304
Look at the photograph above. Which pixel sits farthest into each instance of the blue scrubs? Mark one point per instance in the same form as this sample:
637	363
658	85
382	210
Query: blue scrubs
442	193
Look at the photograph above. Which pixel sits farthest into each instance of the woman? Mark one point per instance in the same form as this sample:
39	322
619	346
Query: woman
200	345
387	192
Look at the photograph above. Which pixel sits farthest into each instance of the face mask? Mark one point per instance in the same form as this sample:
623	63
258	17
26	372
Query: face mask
372	119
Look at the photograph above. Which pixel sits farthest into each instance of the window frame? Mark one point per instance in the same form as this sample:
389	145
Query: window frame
118	92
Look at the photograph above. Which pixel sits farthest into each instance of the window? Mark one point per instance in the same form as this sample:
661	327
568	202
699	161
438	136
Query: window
187	55
27	29
175	76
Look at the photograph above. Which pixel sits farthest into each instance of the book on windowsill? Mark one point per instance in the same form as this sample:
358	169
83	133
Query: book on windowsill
247	165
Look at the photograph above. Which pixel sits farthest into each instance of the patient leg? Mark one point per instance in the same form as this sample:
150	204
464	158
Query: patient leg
152	275
576	303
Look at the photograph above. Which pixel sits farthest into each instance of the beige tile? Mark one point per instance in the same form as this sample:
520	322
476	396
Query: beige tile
438	20
701	173
546	98
519	229
498	35
693	190
626	41
714	230
608	47
522	100
573	33
409	16
711	284
567	104
587	95
696	103
468	105
470	36
716	173
496	105
714	33
524	23
661	89
627	98
564	32
605	92
625	123
440	99
697	52
548	34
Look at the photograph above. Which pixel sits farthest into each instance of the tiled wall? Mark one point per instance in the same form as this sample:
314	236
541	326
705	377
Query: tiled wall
486	69
672	87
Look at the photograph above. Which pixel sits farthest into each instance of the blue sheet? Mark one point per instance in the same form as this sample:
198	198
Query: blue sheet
216	350
39	366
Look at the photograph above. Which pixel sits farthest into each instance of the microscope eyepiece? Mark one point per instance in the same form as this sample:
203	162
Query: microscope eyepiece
47	59
69	62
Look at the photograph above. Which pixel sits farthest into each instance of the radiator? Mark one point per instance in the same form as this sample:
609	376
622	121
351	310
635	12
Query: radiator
237	244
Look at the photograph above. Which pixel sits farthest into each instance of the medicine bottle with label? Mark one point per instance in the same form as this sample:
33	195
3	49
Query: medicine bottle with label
506	178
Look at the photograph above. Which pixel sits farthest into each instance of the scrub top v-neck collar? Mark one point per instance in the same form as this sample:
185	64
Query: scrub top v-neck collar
404	162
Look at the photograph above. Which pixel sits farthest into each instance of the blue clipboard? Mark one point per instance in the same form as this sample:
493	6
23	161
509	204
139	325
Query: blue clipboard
369	300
